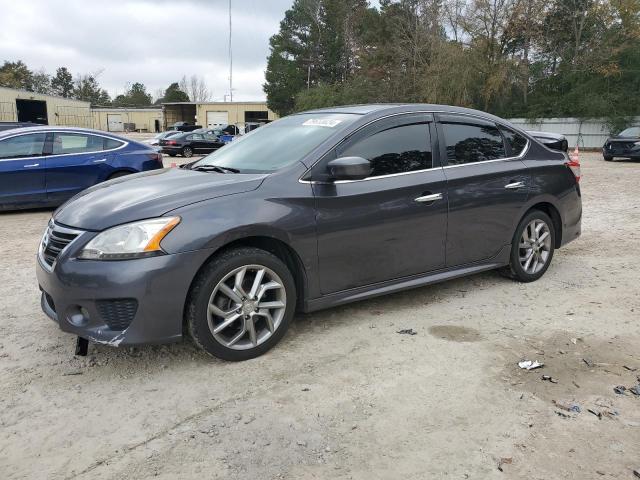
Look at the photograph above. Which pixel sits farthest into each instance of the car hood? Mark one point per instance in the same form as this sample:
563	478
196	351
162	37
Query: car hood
147	195
616	138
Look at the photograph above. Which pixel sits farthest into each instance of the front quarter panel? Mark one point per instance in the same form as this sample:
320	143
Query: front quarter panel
282	208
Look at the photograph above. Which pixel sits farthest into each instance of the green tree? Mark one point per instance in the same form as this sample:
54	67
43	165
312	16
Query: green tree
87	88
135	96
62	83
173	93
41	82
16	75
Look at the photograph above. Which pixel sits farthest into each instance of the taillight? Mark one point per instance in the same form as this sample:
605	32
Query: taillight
171	142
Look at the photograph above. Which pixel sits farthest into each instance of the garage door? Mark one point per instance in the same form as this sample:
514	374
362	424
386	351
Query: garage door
114	123
215	119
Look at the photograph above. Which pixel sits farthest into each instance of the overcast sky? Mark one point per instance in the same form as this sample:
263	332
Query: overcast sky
150	41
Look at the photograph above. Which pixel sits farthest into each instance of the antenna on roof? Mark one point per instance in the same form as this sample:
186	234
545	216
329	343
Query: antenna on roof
230	59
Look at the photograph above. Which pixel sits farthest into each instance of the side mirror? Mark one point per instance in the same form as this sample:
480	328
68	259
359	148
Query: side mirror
349	168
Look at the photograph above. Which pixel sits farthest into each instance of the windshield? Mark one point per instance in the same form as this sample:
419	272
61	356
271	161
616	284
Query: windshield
279	143
630	132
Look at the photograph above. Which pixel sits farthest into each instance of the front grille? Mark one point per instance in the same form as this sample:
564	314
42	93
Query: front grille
55	240
117	313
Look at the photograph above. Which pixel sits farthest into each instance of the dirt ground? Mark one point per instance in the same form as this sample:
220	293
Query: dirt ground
344	396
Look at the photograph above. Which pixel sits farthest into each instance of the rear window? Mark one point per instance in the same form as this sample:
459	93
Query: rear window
514	140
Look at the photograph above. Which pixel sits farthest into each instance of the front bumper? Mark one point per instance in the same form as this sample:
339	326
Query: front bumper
631	154
75	293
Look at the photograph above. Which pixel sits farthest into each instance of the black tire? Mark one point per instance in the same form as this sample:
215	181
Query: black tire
515	270
607	158
187	152
173	154
203	288
118	175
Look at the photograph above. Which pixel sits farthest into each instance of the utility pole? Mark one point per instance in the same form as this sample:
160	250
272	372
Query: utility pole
230	58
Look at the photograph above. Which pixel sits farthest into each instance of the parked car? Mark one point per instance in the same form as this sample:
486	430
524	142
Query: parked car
311	211
44	166
554	141
624	145
189	144
155	141
184	127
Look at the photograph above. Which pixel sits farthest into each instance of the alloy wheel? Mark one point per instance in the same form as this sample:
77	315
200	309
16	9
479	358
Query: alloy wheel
535	246
246	307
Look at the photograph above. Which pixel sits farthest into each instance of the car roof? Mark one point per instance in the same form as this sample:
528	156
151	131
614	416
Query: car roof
381	109
55	128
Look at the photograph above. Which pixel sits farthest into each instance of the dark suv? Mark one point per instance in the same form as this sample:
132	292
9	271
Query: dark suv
311	211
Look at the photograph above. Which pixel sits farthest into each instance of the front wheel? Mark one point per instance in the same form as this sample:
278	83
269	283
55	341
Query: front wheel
607	158
532	247
241	304
187	152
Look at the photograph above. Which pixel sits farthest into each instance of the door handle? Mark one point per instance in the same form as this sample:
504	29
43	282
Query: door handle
102	160
32	165
429	198
514	185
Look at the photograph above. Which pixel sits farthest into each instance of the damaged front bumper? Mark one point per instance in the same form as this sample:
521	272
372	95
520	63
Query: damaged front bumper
119	303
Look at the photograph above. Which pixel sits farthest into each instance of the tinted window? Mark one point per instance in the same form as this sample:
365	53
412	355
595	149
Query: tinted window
516	141
467	143
397	150
65	143
22	146
110	143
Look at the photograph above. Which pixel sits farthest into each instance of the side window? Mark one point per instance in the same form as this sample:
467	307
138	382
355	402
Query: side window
516	141
110	144
190	137
65	143
401	149
469	142
23	146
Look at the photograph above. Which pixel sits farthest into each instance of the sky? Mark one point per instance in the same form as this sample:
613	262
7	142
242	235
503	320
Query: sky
154	42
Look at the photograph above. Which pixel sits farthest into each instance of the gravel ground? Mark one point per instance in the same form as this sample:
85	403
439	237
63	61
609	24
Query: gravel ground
344	395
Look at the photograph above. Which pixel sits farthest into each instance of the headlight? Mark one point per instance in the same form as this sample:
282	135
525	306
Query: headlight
133	240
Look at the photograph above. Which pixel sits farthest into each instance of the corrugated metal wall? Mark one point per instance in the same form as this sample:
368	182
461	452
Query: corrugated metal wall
584	133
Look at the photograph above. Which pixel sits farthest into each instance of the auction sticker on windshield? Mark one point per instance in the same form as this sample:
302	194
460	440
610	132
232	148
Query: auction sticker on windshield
321	122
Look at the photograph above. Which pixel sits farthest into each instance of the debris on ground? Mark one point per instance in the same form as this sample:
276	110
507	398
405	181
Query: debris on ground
589	362
562	414
549	378
504	461
636	472
635	390
530	364
568	407
407	331
631	369
620	389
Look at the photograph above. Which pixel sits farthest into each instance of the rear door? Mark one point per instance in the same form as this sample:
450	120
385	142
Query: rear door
487	186
391	224
76	161
22	170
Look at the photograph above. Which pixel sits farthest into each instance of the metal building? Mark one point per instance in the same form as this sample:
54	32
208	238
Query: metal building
210	114
127	119
23	106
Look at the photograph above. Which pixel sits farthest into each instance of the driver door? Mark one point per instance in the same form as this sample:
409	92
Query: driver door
391	224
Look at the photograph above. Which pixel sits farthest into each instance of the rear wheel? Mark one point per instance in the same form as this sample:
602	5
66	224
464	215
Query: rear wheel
187	152
532	247
241	304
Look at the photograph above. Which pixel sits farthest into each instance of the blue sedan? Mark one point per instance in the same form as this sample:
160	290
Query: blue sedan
44	166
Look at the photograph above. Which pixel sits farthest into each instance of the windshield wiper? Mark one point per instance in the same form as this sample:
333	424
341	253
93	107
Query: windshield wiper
215	168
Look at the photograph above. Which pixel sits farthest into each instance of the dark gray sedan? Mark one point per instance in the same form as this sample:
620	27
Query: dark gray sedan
311	211
624	145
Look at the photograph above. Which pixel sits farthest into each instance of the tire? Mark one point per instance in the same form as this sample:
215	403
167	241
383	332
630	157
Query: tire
544	252
118	175
187	152
607	158
208	300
